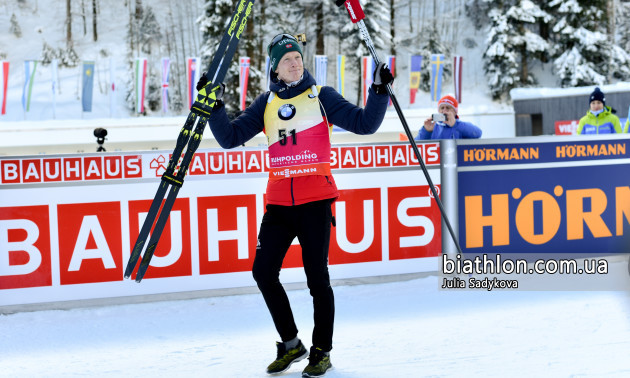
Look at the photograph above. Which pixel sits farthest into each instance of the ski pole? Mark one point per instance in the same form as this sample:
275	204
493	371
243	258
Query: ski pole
356	15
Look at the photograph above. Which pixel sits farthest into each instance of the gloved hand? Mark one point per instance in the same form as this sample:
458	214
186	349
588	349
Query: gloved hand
382	77
220	92
203	80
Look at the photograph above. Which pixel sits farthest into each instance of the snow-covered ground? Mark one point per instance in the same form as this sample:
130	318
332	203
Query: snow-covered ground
396	329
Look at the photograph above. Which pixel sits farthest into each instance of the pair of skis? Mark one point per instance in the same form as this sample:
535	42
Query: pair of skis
173	177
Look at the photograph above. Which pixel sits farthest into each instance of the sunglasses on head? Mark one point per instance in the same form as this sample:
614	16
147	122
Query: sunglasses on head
279	38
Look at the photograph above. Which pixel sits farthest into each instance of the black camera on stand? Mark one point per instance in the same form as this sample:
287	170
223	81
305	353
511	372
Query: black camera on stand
100	134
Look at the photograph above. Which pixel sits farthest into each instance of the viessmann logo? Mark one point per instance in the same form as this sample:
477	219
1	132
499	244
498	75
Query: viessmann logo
299	171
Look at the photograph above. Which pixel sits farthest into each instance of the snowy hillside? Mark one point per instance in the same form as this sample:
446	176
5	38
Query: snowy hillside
42	22
33	25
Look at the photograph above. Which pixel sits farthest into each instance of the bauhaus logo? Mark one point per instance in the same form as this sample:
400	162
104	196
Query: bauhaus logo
91	241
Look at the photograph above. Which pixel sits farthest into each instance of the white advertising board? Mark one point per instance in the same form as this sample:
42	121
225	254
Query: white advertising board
68	222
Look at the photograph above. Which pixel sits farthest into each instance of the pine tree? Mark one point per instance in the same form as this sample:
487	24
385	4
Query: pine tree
68	57
512	46
377	23
432	44
213	24
500	59
623	25
149	31
48	54
154	89
285	16
479	12
525	16
250	46
584	54
15	27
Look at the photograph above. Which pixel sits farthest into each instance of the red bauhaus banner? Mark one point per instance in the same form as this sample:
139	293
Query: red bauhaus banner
68	222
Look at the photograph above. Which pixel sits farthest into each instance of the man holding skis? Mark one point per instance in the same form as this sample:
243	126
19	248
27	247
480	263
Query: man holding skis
297	117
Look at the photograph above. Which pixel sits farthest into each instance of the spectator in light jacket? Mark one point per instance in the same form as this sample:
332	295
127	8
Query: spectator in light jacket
599	119
452	127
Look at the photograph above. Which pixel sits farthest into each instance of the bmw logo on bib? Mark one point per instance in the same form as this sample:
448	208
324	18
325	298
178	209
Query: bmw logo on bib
286	112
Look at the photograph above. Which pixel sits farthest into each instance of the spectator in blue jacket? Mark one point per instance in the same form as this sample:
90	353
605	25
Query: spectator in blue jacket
452	127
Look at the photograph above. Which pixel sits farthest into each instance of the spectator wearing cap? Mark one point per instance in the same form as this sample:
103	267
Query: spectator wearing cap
452	127
599	119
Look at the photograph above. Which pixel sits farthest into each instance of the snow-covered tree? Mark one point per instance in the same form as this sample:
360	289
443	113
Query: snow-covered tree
149	31
213	24
623	25
525	16
479	12
154	89
145	39
15	27
432	44
512	45
584	54
48	54
377	23
68	57
500	58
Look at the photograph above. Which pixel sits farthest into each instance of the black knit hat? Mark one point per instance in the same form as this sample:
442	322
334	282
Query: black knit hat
597	95
280	45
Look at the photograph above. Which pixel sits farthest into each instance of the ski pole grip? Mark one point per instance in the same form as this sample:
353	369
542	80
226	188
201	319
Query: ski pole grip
354	9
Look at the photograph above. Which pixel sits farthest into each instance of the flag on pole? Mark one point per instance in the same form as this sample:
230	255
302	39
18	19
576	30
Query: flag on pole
4	80
341	73
112	87
414	77
166	71
141	81
88	85
437	68
267	73
457	77
367	69
193	72
243	77
391	63
54	64
321	69
29	75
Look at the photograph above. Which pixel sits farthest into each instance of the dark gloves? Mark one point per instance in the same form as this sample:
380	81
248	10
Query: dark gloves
203	81
219	92
219	96
382	77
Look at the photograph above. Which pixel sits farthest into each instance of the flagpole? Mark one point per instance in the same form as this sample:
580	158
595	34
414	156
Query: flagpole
54	87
